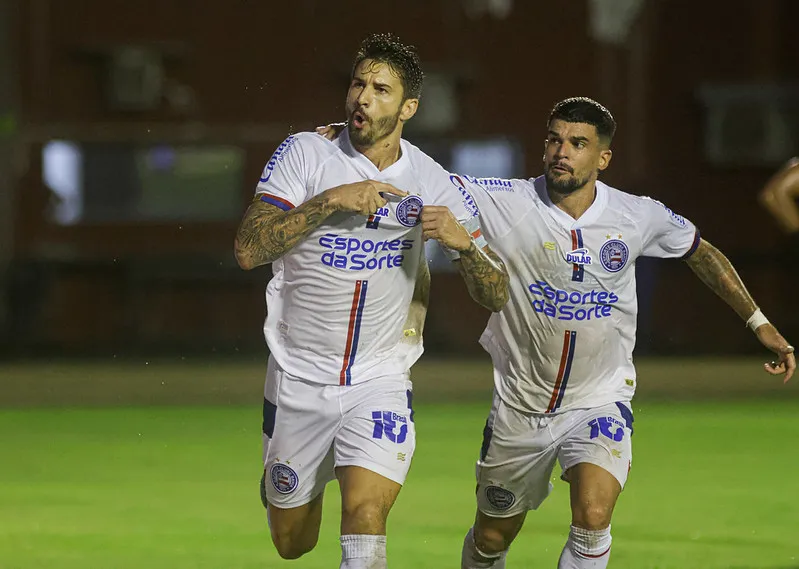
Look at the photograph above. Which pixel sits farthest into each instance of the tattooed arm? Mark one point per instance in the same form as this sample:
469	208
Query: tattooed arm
484	272
267	232
485	276
716	271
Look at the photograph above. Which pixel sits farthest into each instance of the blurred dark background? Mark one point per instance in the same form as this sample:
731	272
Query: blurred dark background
132	136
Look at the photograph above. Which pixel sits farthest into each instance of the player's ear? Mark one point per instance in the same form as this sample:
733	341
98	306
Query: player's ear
604	158
408	109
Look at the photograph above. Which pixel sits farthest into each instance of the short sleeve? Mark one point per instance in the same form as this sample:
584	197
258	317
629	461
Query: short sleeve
440	188
665	233
283	182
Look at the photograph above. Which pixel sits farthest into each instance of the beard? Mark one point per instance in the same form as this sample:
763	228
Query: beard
378	129
564	184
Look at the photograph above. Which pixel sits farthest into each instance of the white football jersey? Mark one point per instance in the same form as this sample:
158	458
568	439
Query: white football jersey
337	301
566	336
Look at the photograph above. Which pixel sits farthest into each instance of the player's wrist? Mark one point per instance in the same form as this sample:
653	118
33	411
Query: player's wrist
756	320
469	248
332	199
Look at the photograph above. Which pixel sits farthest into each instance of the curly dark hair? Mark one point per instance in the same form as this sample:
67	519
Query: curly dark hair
402	59
588	111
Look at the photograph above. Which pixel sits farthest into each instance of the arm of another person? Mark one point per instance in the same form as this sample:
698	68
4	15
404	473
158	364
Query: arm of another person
716	271
482	270
780	195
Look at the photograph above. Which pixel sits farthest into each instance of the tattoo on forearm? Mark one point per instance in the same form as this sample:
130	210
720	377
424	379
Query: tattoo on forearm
716	271
267	232
485	276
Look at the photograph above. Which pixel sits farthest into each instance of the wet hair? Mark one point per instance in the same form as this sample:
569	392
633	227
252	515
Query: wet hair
588	111
402	59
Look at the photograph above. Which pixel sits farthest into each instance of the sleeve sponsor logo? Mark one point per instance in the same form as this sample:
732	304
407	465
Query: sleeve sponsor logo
278	156
675	218
468	200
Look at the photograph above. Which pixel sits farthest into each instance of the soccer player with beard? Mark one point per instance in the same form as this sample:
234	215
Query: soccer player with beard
343	224
562	345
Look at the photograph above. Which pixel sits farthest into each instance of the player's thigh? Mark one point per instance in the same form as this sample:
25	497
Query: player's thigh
300	424
295	531
516	461
374	448
493	535
366	500
593	494
596	457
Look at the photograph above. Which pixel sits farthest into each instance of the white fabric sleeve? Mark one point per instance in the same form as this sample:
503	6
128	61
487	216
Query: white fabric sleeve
455	193
283	182
666	234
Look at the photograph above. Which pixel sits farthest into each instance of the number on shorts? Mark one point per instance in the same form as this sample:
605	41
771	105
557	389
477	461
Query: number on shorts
385	425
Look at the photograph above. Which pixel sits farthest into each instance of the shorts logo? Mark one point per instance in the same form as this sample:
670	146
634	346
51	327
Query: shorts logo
614	255
578	257
500	498
386	426
409	211
607	427
284	479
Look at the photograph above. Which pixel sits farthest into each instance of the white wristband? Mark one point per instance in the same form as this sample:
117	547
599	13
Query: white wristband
756	320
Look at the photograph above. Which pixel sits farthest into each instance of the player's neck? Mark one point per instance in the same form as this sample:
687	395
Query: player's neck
384	152
575	203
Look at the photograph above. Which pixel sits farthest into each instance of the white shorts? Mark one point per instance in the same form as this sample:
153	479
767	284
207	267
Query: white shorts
520	449
310	428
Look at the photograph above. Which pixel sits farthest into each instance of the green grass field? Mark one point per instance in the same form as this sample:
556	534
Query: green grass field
712	486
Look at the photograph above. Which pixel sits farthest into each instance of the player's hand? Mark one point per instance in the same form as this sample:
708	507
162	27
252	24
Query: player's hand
773	340
332	130
438	223
362	197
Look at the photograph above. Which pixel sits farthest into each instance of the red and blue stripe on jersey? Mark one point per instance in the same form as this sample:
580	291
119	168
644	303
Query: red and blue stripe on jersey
353	331
578	271
566	359
276	201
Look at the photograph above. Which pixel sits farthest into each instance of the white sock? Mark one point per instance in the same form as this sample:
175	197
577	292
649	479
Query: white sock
473	558
363	552
586	549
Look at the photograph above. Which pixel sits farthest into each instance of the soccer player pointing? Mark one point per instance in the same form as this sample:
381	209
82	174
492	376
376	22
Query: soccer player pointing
343	224
562	345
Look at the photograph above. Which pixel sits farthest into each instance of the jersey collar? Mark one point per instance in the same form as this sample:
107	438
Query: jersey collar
564	219
368	169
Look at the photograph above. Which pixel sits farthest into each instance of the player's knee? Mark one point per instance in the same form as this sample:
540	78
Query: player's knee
490	540
593	517
364	518
291	545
